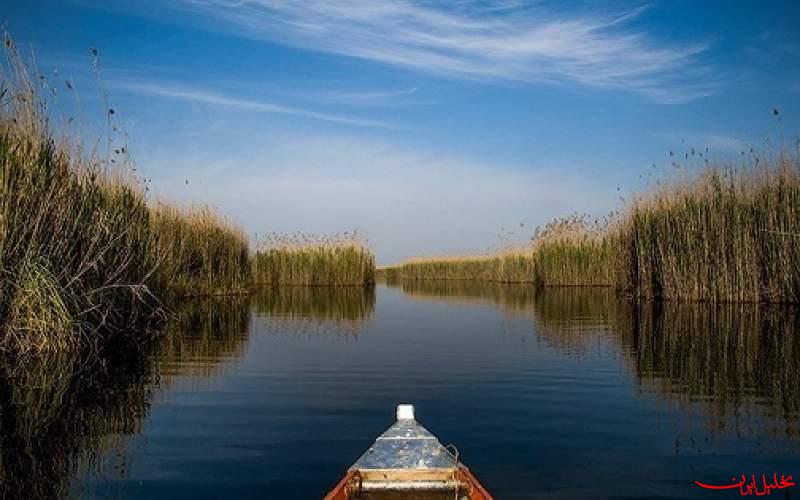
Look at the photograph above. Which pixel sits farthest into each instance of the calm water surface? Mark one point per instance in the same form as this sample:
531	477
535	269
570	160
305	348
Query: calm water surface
561	394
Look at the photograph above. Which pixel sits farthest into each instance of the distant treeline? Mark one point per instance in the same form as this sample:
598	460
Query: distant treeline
725	234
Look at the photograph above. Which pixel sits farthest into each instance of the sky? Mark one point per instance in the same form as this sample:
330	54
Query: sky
430	127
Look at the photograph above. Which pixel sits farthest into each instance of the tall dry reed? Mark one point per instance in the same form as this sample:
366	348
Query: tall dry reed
570	251
82	254
726	235
575	251
74	252
199	252
307	260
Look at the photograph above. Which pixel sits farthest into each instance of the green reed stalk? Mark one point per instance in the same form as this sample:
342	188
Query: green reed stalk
730	235
566	252
82	254
347	264
199	252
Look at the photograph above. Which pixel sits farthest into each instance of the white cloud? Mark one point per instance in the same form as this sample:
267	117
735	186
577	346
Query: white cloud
363	98
723	143
219	99
506	41
407	203
715	142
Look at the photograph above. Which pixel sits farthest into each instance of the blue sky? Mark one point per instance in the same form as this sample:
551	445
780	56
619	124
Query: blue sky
428	126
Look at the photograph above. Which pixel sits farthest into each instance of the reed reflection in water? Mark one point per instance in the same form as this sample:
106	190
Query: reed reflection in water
511	297
58	415
248	394
305	310
739	362
205	335
63	417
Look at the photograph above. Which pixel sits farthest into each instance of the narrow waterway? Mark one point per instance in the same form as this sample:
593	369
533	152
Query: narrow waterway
565	393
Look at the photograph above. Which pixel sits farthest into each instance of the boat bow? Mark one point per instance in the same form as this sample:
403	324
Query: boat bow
408	461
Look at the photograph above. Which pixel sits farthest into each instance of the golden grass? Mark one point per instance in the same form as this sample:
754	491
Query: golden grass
566	252
73	240
506	267
82	254
200	252
307	260
575	251
727	235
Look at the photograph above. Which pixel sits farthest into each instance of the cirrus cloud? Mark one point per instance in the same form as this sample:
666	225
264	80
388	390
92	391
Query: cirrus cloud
506	41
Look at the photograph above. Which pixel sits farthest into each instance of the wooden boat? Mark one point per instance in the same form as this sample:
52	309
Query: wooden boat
407	462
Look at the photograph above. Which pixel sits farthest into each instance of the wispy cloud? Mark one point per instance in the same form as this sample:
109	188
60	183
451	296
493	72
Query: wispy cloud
353	96
358	98
505	40
219	99
715	142
323	184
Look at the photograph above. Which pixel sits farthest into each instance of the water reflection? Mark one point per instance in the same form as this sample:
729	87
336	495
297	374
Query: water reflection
511	297
740	362
581	321
342	311
734	359
205	335
60	414
57	415
242	367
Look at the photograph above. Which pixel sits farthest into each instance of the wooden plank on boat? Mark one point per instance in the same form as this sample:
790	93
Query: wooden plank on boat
408	462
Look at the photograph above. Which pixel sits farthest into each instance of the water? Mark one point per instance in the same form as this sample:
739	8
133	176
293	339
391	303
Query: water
561	394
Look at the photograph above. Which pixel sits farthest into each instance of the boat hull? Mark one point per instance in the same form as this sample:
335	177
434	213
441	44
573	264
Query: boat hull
408	462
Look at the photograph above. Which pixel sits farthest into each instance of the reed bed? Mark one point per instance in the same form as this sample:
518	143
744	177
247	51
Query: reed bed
308	260
73	239
510	266
200	252
726	235
83	256
571	251
389	274
575	251
722	234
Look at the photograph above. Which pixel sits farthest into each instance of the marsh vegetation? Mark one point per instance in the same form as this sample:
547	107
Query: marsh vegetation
725	235
717	234
719	376
566	252
87	255
84	255
311	260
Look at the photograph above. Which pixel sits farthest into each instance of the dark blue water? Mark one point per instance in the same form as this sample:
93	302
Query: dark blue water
561	394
